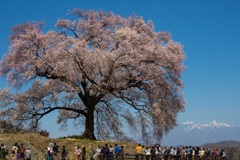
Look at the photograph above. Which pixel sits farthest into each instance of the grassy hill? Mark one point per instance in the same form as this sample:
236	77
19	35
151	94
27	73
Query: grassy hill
38	144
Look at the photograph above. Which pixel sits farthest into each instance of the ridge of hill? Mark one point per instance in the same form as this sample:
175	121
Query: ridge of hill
224	144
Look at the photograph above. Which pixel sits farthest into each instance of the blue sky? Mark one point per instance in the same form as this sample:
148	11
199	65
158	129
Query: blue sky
209	30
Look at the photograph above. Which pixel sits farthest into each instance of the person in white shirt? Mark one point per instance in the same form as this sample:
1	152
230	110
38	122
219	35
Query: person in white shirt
28	154
147	153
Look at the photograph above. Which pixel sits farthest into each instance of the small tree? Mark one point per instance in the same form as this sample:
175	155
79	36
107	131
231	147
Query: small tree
44	133
105	71
231	153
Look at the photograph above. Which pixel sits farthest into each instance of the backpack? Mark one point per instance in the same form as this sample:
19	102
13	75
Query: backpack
153	152
191	151
106	150
78	152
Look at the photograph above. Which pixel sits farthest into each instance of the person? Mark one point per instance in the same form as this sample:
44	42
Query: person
192	152
117	151
182	153
105	151
166	151
99	151
187	151
158	151
138	151
77	153
208	153
55	150
91	152
153	153
19	157
3	146
14	154
83	152
121	153
50	152
28	154
222	154
201	152
143	150
110	153
2	153
178	156
22	150
15	148
64	153
215	153
147	153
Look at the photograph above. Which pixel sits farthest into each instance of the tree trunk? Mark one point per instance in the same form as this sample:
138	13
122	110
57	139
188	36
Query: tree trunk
89	124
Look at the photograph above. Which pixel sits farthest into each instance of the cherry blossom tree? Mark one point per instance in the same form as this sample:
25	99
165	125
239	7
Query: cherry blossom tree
104	71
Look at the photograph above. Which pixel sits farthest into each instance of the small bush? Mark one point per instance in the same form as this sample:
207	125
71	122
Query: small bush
44	133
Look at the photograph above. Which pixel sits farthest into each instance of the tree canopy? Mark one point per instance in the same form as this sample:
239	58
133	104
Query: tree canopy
105	71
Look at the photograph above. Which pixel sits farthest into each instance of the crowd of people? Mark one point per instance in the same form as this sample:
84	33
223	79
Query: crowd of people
111	152
101	152
187	152
18	152
52	152
155	152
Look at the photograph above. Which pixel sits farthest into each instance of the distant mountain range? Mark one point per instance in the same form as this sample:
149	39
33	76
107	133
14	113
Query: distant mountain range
196	134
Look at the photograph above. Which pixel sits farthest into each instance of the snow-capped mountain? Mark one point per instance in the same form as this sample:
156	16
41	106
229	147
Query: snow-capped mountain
188	126
190	133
